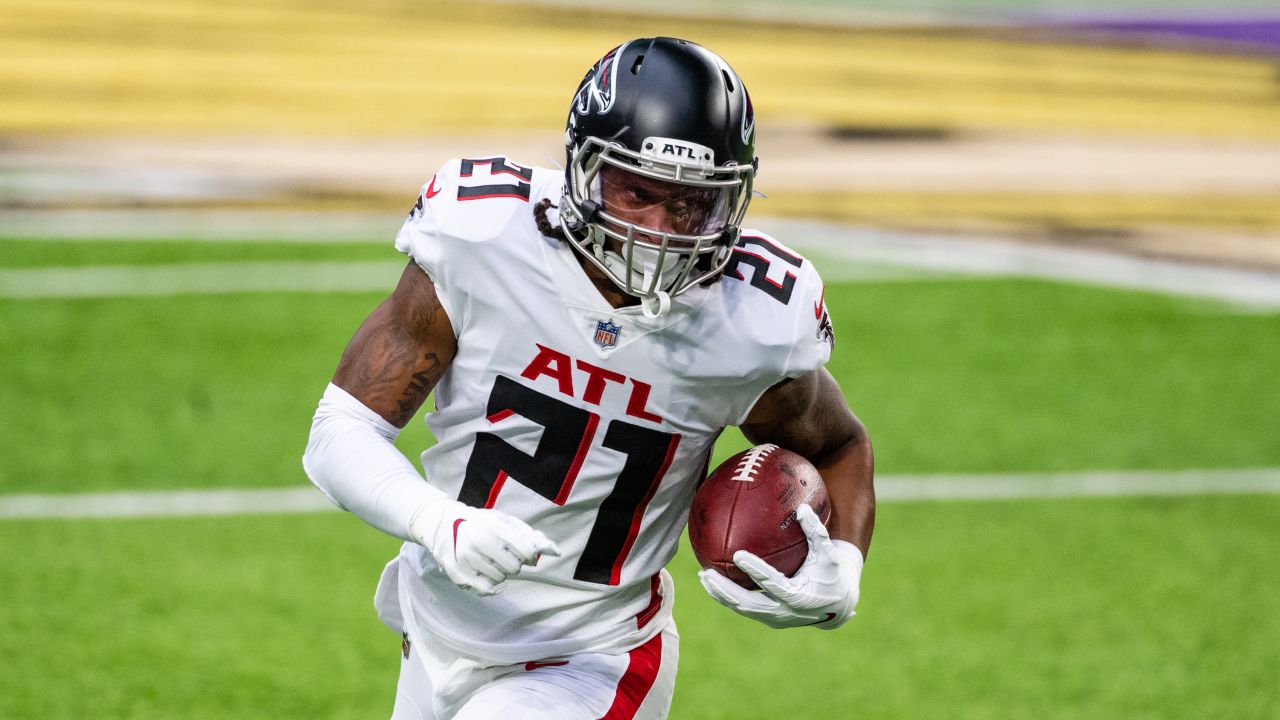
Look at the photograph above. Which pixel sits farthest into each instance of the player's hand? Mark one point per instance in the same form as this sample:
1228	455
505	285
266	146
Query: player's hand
478	549
822	593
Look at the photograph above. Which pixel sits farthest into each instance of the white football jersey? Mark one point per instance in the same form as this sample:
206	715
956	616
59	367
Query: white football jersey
590	423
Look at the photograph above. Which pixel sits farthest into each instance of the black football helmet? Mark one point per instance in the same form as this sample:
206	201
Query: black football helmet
675	114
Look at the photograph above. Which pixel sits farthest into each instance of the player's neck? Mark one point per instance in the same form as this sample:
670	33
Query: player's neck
606	287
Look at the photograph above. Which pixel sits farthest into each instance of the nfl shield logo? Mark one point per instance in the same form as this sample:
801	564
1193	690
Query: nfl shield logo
607	334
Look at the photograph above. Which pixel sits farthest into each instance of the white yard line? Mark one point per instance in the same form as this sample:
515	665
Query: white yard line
1152	483
843	253
906	488
268	226
200	279
165	503
975	257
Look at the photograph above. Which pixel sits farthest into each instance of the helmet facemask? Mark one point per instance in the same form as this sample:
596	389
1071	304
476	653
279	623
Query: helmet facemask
658	221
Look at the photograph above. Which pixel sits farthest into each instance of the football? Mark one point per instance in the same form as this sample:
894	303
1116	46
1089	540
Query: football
749	503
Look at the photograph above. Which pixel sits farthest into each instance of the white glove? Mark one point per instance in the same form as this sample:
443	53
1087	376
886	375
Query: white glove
478	549
822	593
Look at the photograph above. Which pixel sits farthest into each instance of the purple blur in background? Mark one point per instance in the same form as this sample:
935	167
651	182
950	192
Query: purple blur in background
1253	34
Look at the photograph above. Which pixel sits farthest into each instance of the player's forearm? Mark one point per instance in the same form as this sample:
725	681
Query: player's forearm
848	472
351	457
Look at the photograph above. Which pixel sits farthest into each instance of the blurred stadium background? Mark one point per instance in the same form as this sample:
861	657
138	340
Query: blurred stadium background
1051	232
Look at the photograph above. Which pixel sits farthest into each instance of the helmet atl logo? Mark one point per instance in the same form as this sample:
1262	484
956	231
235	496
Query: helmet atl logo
597	88
607	333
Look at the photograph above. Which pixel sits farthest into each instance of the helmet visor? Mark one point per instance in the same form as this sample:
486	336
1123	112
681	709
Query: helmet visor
662	206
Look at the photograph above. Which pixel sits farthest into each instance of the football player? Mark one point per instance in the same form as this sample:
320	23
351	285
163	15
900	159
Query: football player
588	335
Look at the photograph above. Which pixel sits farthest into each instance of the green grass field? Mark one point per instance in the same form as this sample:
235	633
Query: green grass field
1083	608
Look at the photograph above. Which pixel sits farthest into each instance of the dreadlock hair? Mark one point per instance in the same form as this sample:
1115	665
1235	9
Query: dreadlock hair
544	225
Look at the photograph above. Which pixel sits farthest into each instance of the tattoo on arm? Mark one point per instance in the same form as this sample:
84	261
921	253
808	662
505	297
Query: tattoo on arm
400	352
419	387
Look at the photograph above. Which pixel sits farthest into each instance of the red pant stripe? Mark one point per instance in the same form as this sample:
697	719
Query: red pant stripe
642	670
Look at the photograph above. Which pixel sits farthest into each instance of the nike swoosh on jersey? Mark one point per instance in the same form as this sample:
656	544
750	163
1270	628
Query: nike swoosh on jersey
432	190
817	307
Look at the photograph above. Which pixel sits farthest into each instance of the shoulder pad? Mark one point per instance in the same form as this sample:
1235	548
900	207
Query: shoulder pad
782	300
767	265
475	199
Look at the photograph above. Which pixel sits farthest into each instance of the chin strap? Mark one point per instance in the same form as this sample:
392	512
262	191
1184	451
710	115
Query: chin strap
656	305
659	303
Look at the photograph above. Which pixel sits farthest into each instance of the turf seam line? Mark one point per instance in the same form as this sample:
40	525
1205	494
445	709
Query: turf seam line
164	280
896	488
849	253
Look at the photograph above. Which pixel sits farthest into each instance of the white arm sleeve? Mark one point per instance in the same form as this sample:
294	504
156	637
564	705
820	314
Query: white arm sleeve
352	458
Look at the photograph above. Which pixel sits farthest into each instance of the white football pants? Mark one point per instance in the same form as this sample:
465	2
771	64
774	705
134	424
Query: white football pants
436	684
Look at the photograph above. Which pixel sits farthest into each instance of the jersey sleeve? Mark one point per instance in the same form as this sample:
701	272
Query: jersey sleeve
420	238
780	314
449	235
813	336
